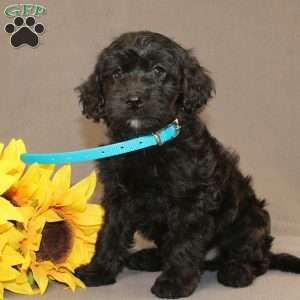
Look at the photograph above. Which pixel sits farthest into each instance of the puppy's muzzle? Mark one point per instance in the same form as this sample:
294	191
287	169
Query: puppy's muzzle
134	102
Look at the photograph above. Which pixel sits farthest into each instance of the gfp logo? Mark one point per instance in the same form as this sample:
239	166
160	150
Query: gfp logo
24	30
16	10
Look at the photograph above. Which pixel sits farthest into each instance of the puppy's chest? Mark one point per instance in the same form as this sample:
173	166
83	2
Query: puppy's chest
156	177
142	175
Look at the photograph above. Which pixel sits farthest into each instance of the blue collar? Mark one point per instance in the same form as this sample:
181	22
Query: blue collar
155	139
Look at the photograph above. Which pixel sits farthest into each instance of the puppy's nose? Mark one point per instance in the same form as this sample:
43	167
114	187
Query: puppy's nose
134	101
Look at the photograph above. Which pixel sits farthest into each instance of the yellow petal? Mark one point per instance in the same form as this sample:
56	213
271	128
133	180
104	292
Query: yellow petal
51	216
22	278
12	154
66	278
78	282
11	167
49	168
35	171
78	256
29	183
92	215
3	242
80	193
85	232
10	151
14	147
9	212
37	224
19	288
21	146
7	272
1	291
61	181
44	195
27	213
40	277
5	227
27	261
87	238
6	181
33	181
11	256
13	236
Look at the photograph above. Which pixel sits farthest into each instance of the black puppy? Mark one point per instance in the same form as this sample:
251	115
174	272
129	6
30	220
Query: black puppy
187	195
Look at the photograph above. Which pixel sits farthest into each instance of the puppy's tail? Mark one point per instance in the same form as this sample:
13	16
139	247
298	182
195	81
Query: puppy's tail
285	262
282	262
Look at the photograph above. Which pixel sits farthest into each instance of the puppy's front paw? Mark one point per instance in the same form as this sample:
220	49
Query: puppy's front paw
94	275
235	275
172	287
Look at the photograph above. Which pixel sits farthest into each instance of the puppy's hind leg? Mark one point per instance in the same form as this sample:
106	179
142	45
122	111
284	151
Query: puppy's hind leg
247	255
145	260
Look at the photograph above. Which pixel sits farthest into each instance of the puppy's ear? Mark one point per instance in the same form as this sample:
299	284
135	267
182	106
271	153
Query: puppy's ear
91	98
198	87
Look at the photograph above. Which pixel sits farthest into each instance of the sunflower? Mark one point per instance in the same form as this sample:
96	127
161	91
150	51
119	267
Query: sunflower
10	277
60	228
11	167
21	193
47	228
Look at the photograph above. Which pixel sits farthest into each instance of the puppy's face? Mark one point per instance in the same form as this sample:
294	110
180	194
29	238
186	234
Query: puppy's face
140	87
141	82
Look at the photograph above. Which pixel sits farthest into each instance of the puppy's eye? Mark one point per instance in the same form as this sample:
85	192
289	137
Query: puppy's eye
117	74
159	70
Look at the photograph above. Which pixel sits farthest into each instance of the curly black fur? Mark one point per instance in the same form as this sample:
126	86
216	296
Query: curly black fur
188	195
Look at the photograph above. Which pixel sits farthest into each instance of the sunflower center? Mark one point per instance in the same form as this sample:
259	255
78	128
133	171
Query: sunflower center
56	243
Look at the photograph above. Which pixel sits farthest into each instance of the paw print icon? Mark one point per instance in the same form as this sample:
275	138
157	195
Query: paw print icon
24	31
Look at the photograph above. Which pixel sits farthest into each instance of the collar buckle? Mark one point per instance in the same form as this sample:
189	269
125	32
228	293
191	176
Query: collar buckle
157	134
157	138
178	127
